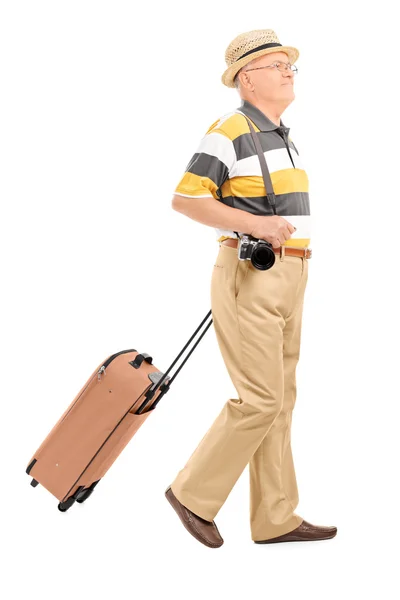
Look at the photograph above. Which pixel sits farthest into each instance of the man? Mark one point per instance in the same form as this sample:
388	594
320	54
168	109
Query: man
257	314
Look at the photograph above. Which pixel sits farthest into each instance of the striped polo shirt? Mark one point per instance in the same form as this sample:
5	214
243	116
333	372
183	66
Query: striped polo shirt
226	167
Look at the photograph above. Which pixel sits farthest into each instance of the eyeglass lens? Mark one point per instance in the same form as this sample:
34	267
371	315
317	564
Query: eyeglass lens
283	66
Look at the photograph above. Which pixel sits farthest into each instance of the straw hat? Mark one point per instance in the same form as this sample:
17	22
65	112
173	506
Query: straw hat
250	45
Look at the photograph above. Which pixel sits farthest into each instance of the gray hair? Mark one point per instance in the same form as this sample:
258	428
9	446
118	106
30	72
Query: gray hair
236	78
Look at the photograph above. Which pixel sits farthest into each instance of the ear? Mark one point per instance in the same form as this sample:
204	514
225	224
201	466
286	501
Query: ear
245	81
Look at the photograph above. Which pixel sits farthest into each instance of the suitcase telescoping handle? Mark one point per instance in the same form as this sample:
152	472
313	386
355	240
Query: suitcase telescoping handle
164	389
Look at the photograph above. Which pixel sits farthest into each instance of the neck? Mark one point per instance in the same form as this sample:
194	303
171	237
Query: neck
272	111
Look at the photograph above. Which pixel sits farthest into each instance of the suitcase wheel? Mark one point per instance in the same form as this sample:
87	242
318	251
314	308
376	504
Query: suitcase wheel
84	495
64	506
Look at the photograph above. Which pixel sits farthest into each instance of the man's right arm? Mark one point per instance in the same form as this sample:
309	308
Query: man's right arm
196	194
214	213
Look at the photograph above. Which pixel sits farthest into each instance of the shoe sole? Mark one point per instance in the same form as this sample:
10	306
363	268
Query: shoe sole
296	539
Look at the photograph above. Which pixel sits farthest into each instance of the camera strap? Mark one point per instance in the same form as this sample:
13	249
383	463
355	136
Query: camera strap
264	168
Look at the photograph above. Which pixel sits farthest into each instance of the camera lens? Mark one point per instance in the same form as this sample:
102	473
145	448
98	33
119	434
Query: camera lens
263	257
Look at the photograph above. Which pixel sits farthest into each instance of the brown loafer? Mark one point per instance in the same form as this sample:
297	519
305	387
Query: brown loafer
305	532
204	531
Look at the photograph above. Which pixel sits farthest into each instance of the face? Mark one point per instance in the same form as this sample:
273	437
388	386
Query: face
269	84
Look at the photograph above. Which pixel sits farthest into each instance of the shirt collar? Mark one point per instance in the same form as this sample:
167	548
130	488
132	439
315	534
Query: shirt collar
259	118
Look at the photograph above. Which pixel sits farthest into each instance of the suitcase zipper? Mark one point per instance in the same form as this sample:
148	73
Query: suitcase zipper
78	398
109	359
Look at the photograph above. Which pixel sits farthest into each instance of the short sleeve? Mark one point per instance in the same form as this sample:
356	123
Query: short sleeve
209	166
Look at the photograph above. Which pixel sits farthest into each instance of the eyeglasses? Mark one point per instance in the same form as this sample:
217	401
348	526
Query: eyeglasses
281	66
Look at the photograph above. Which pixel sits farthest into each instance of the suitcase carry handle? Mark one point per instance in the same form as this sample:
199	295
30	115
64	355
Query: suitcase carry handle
165	387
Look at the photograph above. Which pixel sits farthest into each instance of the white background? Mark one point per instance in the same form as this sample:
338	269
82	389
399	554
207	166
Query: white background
102	106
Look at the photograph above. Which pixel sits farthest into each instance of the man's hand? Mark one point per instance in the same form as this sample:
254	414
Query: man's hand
275	230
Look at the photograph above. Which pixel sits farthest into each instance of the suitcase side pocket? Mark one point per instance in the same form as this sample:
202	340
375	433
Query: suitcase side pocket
115	444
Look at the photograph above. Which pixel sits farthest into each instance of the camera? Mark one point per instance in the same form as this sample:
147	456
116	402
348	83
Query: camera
260	252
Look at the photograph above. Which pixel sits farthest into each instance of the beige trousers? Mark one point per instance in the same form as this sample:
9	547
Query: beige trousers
257	319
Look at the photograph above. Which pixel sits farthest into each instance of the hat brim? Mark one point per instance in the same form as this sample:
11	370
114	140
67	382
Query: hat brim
229	74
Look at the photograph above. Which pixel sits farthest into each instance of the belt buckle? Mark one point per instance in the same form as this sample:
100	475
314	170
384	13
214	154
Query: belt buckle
308	253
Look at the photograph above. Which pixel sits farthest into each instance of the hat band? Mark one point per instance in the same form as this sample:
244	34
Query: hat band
270	45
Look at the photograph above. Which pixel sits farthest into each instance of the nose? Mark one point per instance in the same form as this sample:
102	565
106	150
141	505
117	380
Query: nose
288	72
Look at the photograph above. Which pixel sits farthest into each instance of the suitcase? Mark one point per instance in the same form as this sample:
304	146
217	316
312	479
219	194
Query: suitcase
113	404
